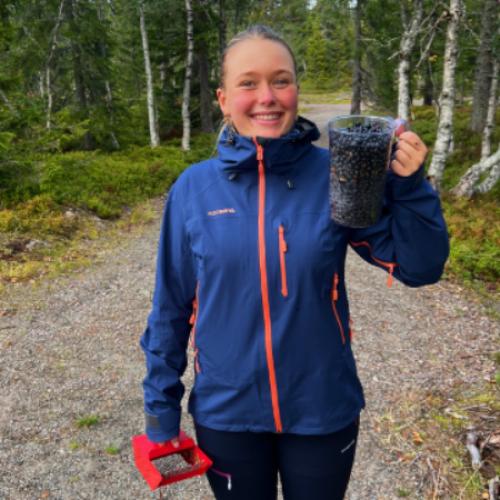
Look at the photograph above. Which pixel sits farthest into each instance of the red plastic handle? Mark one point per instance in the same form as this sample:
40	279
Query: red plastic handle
145	451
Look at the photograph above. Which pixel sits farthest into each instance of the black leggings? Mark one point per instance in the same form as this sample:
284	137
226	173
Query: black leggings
246	464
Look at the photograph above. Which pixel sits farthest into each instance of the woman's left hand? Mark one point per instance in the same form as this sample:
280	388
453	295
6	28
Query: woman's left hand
410	154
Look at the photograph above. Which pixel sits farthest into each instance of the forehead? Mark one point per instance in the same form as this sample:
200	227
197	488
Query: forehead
257	55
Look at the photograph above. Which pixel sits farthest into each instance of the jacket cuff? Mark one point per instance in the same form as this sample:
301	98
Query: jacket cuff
164	427
399	186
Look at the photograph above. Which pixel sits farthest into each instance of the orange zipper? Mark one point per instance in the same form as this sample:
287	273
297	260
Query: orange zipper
388	265
335	297
283	249
192	321
265	290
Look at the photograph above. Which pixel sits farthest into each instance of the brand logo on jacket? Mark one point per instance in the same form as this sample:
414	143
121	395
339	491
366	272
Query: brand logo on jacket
221	211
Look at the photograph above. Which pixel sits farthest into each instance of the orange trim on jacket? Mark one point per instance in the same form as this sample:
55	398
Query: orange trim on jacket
192	322
335	297
283	249
265	289
389	265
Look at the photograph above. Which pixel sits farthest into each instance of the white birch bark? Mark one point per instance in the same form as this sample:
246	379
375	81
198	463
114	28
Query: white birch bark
491	180
447	97
467	184
405	49
153	132
41	84
186	119
53	46
490	117
6	101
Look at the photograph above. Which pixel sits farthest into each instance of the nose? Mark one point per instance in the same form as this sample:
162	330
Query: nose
266	94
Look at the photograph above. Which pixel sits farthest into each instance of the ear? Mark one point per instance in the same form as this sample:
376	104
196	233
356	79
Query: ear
221	98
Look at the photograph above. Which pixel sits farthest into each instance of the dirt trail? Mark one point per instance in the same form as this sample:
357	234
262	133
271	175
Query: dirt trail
69	351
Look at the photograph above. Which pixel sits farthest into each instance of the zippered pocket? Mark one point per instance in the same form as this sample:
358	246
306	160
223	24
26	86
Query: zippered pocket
283	248
335	298
192	321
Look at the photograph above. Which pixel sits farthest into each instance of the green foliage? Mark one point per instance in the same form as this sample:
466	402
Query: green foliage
88	421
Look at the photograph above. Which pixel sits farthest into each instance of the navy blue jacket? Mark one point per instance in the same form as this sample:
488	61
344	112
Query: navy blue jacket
251	266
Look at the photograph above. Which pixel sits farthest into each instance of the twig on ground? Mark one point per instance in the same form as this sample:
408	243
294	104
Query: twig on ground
471	444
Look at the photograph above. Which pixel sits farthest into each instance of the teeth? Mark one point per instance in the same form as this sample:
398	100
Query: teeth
267	117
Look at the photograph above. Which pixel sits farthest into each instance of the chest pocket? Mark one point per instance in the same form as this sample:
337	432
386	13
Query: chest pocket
306	252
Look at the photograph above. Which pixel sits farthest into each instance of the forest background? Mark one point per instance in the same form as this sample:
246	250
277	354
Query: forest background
104	102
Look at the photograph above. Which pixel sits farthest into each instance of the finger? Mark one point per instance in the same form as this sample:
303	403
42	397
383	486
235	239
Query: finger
412	139
398	168
403	157
407	147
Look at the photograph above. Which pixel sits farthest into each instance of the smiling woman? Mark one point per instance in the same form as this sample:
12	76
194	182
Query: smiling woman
251	268
259	95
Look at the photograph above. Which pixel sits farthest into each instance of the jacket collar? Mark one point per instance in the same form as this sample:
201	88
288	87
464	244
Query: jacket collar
237	153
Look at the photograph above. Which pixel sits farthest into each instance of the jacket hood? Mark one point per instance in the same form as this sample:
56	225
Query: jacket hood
237	153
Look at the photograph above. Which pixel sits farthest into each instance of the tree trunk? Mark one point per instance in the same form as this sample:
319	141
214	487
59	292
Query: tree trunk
490	117
153	132
222	28
48	120
484	66
428	88
447	98
490	181
48	79
108	96
405	50
77	63
467	184
205	94
186	119
78	72
356	63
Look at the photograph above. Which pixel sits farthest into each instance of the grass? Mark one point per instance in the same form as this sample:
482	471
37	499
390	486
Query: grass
80	198
112	450
88	421
428	430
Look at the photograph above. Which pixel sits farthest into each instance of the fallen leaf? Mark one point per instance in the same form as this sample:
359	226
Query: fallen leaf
417	438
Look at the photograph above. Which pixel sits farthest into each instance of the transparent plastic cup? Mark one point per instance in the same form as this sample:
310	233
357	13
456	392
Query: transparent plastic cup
360	154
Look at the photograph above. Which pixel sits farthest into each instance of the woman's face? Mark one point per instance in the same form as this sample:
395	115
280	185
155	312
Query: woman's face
260	93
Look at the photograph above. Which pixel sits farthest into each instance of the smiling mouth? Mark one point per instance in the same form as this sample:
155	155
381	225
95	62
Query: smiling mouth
267	116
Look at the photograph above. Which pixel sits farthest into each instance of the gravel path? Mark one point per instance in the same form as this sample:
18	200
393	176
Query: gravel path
69	350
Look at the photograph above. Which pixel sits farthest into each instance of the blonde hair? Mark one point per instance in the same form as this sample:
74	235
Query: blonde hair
258	31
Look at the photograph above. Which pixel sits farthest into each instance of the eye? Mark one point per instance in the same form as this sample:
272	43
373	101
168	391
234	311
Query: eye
248	84
281	82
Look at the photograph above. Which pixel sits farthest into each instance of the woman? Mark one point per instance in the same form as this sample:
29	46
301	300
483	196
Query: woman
251	265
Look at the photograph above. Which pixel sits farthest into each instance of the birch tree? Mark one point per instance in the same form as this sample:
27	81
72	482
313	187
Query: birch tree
48	74
186	119
467	185
447	97
407	44
484	65
153	132
356	63
490	115
489	164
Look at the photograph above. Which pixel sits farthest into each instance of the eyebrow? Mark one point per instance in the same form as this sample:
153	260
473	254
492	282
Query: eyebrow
254	73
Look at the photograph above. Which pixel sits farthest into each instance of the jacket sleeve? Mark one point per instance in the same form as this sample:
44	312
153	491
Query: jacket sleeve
165	339
410	241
